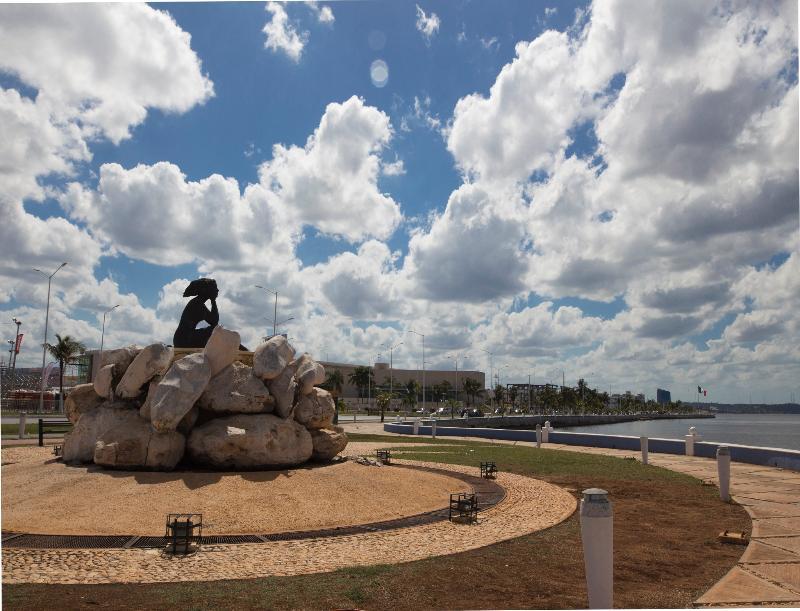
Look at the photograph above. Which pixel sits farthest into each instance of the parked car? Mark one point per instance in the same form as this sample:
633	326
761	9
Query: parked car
474	413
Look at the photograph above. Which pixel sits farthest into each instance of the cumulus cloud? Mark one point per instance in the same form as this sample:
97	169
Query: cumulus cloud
132	57
282	35
331	182
427	25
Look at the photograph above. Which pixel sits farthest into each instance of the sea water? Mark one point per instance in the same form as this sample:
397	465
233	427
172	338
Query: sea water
766	430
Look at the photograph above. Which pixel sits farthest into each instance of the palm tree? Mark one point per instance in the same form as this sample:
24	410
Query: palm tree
383	401
412	389
499	395
471	388
64	350
333	384
361	378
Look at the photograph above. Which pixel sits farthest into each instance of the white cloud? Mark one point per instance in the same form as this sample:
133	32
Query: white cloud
122	59
428	25
394	168
281	33
331	182
324	13
471	252
490	44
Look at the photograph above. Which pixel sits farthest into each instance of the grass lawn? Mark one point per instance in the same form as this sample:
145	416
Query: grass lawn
665	538
13	429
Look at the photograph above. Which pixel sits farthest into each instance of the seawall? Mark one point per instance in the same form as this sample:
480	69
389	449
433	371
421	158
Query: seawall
557	420
771	457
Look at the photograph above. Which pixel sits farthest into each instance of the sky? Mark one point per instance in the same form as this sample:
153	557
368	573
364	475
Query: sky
605	190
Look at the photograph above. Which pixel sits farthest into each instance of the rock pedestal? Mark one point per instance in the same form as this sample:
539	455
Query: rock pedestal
146	411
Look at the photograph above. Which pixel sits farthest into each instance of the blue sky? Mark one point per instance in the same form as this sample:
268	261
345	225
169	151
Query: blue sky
570	186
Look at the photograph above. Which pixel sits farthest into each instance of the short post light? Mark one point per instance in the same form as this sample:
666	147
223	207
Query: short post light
692	437
538	435
724	472
433	428
546	432
644	444
597	534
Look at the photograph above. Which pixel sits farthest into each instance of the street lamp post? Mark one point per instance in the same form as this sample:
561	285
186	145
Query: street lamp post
391	365
491	377
280	324
369	384
275	313
463	357
103	332
422	335
17	322
46	321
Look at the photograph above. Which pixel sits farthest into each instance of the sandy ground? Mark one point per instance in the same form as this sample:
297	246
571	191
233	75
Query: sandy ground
41	495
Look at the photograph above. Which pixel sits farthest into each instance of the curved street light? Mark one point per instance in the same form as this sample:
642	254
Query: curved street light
46	321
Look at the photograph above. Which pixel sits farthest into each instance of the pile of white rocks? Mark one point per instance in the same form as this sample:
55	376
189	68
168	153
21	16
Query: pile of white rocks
144	411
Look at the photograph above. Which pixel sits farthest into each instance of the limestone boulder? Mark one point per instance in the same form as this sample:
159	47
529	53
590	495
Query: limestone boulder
152	361
272	357
249	441
235	390
104	382
328	442
134	444
144	410
121	358
315	410
177	392
308	374
283	390
222	349
79	443
187	423
80	400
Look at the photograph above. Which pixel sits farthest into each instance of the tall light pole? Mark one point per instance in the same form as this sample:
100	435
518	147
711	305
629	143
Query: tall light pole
46	320
463	357
280	324
17	322
275	314
491	377
423	364
369	382
103	332
391	366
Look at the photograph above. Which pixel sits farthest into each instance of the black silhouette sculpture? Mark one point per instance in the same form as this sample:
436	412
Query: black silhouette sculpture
187	335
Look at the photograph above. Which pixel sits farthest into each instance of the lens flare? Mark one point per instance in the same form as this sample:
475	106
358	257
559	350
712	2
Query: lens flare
379	73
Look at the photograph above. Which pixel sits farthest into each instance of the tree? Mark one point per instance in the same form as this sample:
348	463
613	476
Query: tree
361	378
412	389
333	384
471	388
383	401
452	404
64	350
499	395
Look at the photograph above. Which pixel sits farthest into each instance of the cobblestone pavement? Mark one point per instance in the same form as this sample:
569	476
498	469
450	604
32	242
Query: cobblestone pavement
529	505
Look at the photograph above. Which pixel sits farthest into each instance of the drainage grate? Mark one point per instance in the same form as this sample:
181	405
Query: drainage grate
66	541
488	491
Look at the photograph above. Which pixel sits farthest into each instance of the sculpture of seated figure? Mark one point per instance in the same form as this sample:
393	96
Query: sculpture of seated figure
188	335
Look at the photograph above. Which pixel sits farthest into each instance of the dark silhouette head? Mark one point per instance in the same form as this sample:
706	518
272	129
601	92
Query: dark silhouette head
202	287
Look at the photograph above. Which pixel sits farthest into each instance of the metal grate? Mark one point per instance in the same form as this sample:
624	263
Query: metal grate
66	541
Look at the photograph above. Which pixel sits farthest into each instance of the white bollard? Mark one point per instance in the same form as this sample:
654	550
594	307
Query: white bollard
22	418
724	472
538	435
397	417
643	443
416	426
597	534
433	428
546	431
690	439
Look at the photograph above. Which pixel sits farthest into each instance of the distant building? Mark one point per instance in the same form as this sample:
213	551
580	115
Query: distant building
663	397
